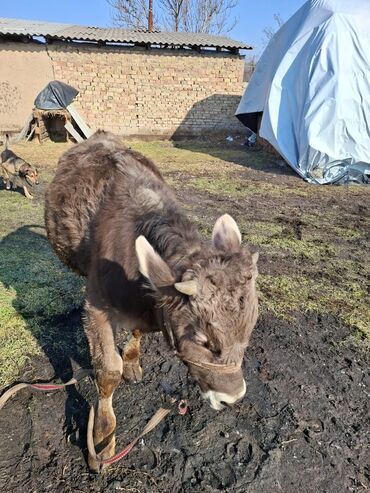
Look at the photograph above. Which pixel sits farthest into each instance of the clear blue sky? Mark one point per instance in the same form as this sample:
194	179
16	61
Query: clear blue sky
253	15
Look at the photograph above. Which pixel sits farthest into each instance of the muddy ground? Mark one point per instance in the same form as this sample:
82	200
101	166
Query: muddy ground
303	425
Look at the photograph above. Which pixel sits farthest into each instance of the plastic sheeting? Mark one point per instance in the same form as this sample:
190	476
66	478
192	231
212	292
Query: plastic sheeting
312	84
55	96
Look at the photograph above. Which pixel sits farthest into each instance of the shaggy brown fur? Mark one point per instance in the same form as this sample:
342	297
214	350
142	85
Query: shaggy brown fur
118	195
16	171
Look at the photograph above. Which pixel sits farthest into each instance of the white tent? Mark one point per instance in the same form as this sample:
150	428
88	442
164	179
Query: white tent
312	85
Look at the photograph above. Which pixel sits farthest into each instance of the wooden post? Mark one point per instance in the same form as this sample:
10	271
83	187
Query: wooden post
37	117
66	121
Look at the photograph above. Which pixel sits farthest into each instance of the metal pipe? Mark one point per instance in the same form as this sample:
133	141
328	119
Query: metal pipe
150	17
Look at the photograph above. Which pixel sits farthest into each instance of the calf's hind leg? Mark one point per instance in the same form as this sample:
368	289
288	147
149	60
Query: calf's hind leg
108	371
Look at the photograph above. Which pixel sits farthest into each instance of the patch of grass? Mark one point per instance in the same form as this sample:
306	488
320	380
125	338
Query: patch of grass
339	269
296	248
275	238
204	227
235	153
326	225
17	342
260	229
171	158
223	184
254	229
44	156
16	211
34	287
347	233
349	301
217	185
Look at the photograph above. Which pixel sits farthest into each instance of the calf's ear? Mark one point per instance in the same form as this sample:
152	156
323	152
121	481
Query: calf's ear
151	265
226	235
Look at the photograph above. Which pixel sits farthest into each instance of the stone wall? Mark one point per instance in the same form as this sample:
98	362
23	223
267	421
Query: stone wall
154	92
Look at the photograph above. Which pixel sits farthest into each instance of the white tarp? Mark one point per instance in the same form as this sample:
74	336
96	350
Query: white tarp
312	84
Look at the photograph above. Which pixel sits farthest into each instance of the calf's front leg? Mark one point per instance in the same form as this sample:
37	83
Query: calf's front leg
108	371
132	370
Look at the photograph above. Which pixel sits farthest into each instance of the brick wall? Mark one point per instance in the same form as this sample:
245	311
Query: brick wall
134	91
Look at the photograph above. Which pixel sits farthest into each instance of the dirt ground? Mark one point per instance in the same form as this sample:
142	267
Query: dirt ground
304	424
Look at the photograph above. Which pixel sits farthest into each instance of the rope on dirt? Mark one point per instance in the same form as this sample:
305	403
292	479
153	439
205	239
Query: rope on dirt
152	423
45	387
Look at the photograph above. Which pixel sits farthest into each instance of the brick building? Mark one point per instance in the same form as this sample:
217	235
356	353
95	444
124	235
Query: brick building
130	82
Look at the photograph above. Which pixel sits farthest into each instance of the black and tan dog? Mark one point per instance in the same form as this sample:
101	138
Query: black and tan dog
16	171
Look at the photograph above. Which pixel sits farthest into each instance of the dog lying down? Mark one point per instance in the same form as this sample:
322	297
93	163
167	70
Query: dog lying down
16	171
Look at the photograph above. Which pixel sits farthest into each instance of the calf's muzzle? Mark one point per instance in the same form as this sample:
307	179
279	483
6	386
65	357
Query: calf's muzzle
220	400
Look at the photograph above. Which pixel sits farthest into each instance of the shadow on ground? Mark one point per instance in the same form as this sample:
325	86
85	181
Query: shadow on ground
49	299
253	158
221	111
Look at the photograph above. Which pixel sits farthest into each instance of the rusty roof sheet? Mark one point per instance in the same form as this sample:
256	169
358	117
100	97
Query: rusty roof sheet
70	32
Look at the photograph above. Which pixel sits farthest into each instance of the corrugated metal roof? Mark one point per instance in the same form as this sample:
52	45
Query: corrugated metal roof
29	28
70	32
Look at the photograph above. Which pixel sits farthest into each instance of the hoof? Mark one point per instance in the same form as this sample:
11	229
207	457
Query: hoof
94	463
101	441
132	372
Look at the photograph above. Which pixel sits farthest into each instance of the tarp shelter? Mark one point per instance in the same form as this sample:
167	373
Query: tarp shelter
312	86
53	104
55	96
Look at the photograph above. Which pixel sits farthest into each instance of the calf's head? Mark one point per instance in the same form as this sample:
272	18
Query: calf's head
211	310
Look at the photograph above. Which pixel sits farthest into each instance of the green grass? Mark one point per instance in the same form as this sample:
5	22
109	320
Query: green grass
349	301
223	184
313	249
17	342
34	287
173	159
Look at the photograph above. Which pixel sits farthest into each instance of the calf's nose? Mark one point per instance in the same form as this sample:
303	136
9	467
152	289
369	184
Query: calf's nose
219	400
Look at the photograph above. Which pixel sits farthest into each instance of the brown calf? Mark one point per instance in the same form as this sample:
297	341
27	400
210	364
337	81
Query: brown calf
111	217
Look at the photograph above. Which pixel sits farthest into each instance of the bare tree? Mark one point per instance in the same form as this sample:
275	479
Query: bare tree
269	32
249	67
205	16
173	14
209	16
133	14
